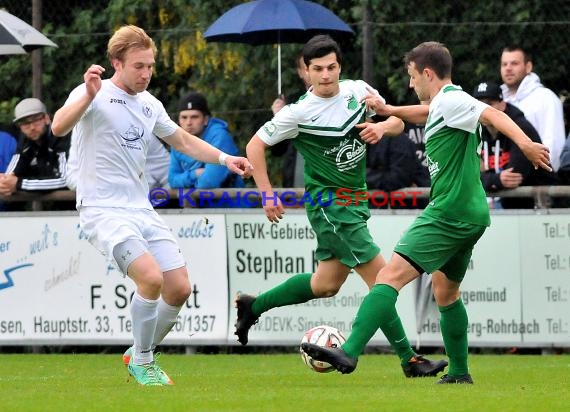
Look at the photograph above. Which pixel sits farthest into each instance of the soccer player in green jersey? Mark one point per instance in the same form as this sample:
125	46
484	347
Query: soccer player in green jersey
441	239
329	129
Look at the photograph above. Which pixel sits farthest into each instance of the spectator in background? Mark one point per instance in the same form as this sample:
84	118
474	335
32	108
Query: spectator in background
416	133
293	162
7	149
564	170
503	165
185	172
542	107
39	163
392	164
281	101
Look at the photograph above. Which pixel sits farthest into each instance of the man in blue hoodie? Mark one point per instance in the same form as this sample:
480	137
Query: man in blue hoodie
7	149
185	172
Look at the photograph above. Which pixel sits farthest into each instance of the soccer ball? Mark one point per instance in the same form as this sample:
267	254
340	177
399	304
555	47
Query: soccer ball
325	336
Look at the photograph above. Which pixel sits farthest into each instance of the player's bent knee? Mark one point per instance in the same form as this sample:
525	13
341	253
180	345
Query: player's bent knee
445	297
182	293
153	280
177	287
327	291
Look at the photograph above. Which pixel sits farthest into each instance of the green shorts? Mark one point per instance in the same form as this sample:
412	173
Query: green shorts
435	244
342	233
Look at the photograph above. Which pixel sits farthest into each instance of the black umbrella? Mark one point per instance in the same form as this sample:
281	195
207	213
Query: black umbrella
276	22
18	37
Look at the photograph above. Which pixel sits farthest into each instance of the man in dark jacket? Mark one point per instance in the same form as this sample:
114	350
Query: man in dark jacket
393	164
416	133
39	163
503	165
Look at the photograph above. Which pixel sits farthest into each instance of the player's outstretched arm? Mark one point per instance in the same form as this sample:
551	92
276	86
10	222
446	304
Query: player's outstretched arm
255	150
200	150
414	113
417	113
537	153
371	133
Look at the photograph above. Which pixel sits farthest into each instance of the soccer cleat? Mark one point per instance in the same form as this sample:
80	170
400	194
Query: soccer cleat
127	356
245	317
146	374
162	376
418	367
335	356
463	379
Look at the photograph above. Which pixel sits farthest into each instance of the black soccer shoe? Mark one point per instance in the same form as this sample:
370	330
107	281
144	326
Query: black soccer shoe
463	379
418	367
335	356
245	317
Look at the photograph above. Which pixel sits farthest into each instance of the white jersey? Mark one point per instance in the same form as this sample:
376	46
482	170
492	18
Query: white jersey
112	138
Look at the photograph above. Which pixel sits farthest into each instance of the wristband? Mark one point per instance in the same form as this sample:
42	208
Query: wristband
222	158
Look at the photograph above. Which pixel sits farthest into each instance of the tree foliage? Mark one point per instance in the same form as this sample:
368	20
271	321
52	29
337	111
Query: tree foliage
240	80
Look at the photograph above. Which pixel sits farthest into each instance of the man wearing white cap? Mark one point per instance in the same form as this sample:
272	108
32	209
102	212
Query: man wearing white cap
40	160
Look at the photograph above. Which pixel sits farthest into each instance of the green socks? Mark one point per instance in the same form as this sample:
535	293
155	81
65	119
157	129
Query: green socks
378	310
453	324
296	289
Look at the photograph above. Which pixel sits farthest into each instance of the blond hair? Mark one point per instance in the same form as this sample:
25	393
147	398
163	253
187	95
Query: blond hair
127	38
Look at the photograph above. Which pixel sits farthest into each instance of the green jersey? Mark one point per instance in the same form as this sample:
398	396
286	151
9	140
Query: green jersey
324	133
453	152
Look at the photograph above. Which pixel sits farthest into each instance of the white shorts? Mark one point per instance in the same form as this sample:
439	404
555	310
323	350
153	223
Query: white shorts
106	227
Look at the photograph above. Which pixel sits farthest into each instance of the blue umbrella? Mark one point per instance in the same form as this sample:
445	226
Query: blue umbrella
276	22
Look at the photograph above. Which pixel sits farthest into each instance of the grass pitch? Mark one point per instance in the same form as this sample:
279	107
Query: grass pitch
278	383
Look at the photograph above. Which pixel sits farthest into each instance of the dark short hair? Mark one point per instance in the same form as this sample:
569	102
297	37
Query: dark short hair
433	55
517	47
319	46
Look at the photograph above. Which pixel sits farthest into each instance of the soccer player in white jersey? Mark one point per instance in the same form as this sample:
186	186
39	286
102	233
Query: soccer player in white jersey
441	239
328	127
113	121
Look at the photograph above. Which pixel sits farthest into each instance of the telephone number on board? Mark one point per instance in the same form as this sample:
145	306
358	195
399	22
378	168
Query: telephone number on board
194	323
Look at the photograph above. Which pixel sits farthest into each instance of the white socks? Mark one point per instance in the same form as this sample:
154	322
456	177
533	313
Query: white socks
167	316
144	315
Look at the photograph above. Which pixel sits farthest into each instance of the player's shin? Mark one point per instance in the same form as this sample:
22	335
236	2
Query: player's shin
378	310
453	323
167	317
296	289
